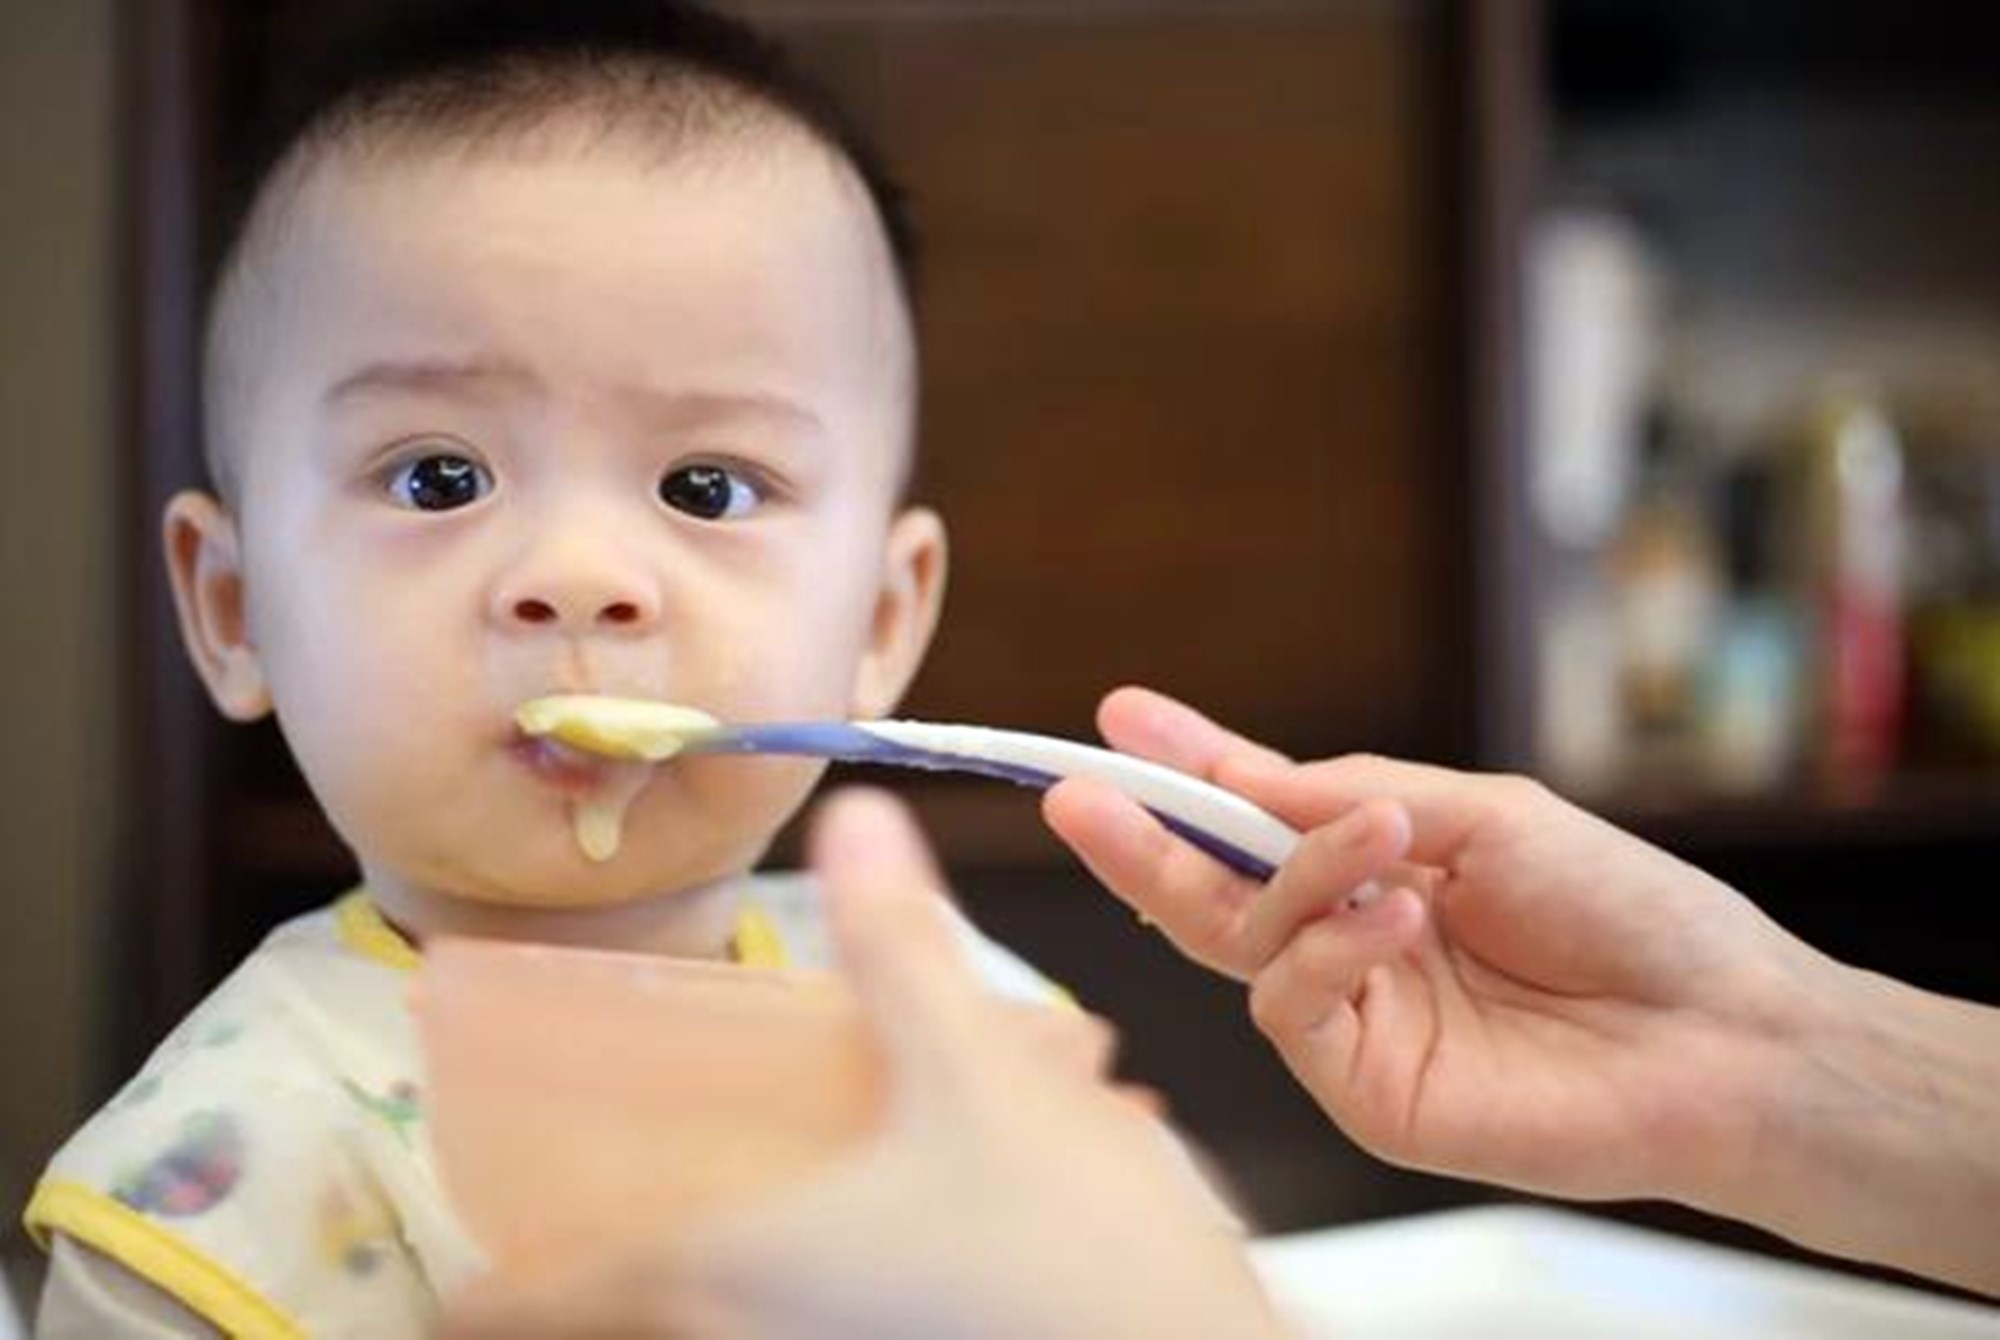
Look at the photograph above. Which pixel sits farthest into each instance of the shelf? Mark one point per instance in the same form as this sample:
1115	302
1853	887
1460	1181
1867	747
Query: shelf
1940	807
1613	56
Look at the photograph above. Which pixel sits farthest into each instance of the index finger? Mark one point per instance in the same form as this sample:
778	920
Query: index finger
1153	726
1446	806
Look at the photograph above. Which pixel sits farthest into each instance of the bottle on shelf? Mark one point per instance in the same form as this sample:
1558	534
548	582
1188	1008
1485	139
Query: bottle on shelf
1954	581
1853	525
1665	577
1750	693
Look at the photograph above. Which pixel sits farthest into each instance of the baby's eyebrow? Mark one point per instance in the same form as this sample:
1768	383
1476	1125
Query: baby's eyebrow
672	409
699	409
429	374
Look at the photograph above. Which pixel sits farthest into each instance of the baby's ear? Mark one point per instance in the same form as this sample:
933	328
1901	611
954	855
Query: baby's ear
205	562
906	611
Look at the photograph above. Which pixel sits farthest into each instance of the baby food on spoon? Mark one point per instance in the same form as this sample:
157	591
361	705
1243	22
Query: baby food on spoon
625	729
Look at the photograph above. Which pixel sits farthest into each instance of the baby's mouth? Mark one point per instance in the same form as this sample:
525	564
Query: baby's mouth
564	766
615	726
600	750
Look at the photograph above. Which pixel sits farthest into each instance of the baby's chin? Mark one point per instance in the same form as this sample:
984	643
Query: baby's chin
662	842
571	880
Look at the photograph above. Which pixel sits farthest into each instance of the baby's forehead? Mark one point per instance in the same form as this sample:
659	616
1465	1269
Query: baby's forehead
374	187
348	200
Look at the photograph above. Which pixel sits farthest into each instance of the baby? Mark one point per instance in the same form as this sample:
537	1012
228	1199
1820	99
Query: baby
567	350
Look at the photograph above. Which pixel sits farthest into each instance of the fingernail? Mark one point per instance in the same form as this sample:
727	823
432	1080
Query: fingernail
1362	895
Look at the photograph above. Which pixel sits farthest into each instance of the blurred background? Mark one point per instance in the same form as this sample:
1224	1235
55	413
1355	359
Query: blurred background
1603	388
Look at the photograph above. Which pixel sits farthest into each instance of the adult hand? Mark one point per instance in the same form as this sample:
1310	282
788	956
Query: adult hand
1010	1190
1473	976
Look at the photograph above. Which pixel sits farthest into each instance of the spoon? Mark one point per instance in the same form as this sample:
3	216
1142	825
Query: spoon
1239	834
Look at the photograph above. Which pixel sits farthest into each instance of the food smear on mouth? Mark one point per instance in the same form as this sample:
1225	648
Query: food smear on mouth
598	817
625	730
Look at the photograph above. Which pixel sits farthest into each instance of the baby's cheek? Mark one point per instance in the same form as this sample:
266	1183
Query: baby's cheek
380	754
374	810
781	659
749	796
795	685
732	686
766	781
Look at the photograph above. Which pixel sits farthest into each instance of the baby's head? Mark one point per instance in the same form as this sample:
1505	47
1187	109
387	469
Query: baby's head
572	353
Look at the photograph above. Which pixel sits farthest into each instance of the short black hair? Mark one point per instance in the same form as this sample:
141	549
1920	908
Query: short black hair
453	63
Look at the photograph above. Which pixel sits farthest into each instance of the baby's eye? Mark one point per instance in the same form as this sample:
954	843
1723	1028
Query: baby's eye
709	492
439	482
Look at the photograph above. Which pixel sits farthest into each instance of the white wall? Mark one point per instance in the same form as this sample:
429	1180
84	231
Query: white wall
59	642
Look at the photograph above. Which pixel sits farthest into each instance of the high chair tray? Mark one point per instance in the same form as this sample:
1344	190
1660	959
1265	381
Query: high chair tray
1531	1271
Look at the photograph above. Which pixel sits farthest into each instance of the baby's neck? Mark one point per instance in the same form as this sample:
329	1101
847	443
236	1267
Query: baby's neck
697	923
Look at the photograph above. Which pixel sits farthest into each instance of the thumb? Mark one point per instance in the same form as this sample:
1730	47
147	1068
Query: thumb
892	927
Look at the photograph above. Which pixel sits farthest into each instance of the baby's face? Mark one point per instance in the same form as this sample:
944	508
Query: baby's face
531	424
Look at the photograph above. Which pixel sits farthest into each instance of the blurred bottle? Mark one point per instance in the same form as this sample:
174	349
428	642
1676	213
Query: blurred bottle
1750	685
1666	575
1954	579
1852	496
1596	295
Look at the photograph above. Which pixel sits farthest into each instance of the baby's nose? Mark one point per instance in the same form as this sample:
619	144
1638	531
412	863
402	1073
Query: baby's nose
540	610
576	590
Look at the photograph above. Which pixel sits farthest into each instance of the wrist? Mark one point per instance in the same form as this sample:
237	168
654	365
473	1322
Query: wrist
1878	1133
